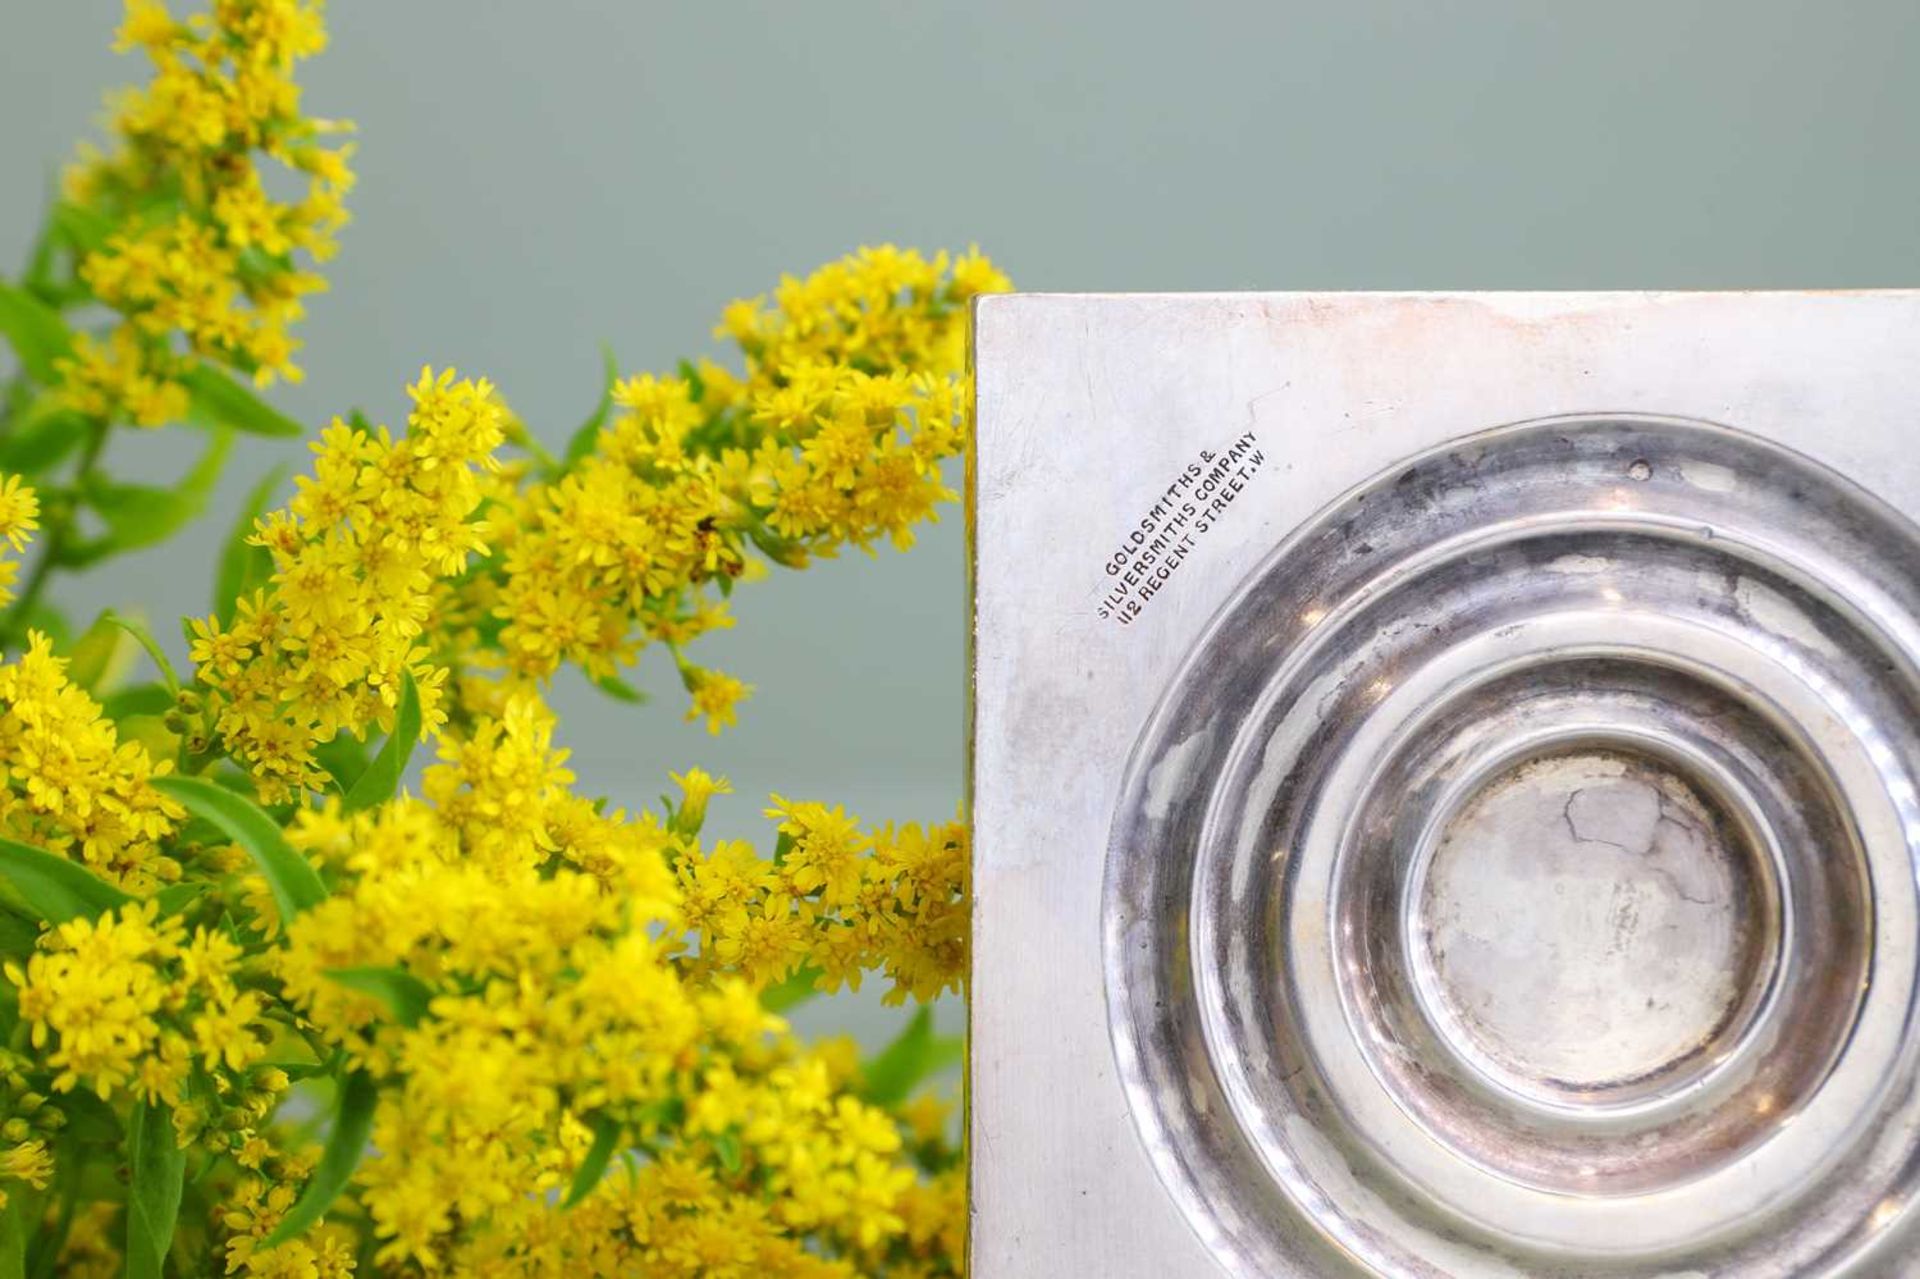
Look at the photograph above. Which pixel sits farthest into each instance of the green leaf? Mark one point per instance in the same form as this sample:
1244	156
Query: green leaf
94	657
352	1125
46	618
297	1070
38	275
141	699
696	385
621	691
795	990
153	1196
48	886
782	551
176	898
405	995
90	1119
345	757
146	640
38	334
47	432
915	1053
18	933
244	568
606	1135
727	1146
296	885
588	432
13	1238
217	398
139	515
81	227
382	778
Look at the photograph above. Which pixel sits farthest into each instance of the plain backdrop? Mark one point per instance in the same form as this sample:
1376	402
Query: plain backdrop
539	178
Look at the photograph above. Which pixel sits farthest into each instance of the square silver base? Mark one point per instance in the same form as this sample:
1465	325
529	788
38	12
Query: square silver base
1445	785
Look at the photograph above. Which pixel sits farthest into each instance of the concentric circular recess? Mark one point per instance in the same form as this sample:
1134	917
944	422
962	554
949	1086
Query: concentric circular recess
1520	876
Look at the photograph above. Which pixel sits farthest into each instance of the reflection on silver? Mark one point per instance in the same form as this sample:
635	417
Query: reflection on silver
1519	876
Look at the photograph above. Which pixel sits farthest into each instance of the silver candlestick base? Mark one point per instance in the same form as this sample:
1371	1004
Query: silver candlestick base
1446	785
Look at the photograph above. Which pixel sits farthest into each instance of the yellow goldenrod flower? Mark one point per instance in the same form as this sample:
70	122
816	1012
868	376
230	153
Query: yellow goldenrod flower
201	262
29	1162
527	995
852	396
697	787
715	696
19	512
550	938
72	785
357	555
99	996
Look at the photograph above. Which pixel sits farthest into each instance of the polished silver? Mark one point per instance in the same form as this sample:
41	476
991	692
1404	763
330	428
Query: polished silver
1501	867
1449	852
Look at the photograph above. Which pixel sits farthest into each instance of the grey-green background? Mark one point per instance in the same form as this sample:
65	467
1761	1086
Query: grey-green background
538	178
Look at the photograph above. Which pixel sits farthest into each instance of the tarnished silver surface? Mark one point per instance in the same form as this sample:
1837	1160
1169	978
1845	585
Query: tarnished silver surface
1520	875
1517	874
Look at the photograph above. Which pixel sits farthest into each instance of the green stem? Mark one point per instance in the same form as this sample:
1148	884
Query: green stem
323	1052
13	402
33	276
518	434
13	1237
48	1247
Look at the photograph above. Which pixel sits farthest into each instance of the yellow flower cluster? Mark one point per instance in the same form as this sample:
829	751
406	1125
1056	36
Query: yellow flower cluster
255	1205
799	1159
71	784
530	970
540	936
130	1001
537	1035
833	898
852	395
19	516
27	1163
623	547
197	257
356	556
